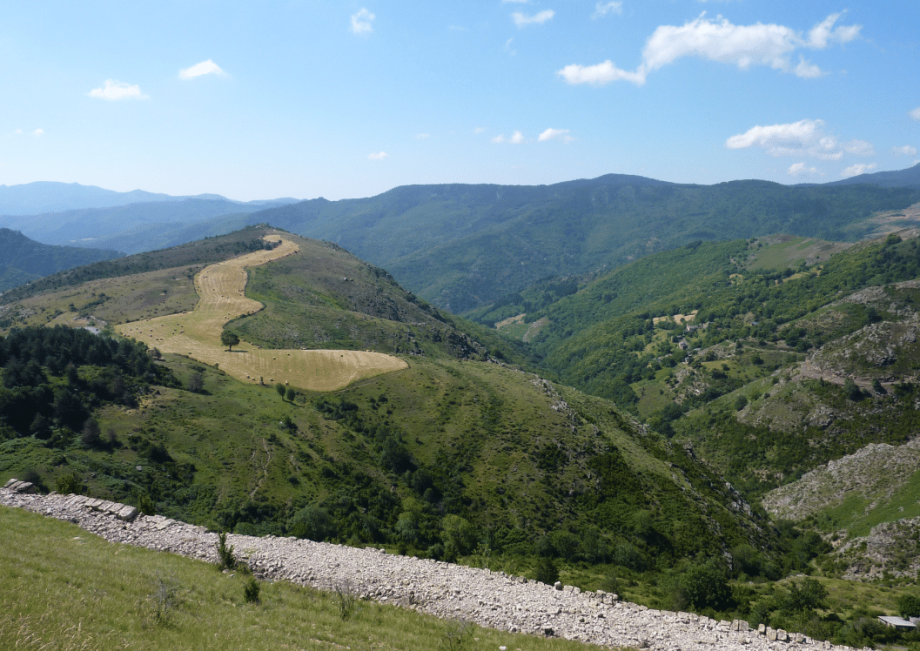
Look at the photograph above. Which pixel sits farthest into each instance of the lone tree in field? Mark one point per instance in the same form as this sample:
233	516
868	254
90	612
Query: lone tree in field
229	339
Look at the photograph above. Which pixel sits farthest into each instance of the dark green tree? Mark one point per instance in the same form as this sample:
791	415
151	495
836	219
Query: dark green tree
909	605
705	584
313	522
229	339
91	435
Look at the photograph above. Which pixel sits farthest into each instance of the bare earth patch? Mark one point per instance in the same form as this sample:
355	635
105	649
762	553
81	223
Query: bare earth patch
221	288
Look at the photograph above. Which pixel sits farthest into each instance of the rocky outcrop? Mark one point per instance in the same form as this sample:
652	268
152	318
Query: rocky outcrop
492	599
875	472
890	547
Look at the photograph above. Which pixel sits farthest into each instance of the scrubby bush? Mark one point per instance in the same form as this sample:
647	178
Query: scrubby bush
251	591
546	571
71	483
225	558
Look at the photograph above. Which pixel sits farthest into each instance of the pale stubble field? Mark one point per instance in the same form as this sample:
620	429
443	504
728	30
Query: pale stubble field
221	290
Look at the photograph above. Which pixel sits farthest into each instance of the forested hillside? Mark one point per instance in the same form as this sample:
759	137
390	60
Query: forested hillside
23	260
462	247
465	454
770	356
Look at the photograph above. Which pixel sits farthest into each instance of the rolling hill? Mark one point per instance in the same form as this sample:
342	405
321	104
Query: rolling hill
462	247
25	260
53	197
899	178
464	452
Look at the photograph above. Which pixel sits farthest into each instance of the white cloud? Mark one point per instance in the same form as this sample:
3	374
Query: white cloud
799	169
516	139
422	136
18	132
859	168
550	134
915	114
802	138
807	70
522	20
479	130
115	90
603	8
361	22
858	147
600	74
824	32
204	68
906	150
380	155
719	40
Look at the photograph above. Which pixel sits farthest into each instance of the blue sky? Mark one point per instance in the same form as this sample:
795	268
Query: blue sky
265	99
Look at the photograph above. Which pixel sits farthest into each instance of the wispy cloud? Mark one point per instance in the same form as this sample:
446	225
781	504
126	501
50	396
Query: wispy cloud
523	20
555	134
422	136
802	138
915	114
859	168
19	132
380	155
479	130
800	169
601	9
204	68
115	90
906	150
361	22
600	74
516	138
719	40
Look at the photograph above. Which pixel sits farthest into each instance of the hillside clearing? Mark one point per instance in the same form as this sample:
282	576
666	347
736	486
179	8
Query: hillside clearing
221	290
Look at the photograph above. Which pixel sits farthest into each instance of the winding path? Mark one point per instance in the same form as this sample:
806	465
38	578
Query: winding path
221	288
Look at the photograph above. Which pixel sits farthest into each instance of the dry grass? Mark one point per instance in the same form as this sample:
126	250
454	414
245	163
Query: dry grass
221	290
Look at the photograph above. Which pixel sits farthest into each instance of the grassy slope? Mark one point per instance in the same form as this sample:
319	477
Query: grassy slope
324	297
56	596
195	254
497	450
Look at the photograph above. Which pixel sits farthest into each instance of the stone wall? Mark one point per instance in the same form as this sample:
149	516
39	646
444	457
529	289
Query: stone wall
492	599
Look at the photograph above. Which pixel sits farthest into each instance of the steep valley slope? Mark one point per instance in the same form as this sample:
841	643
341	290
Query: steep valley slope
466	453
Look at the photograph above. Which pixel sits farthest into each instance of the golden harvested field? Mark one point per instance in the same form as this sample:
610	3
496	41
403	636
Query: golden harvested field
221	290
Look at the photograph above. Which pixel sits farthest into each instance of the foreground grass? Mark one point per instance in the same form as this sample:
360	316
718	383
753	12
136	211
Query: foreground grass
64	589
